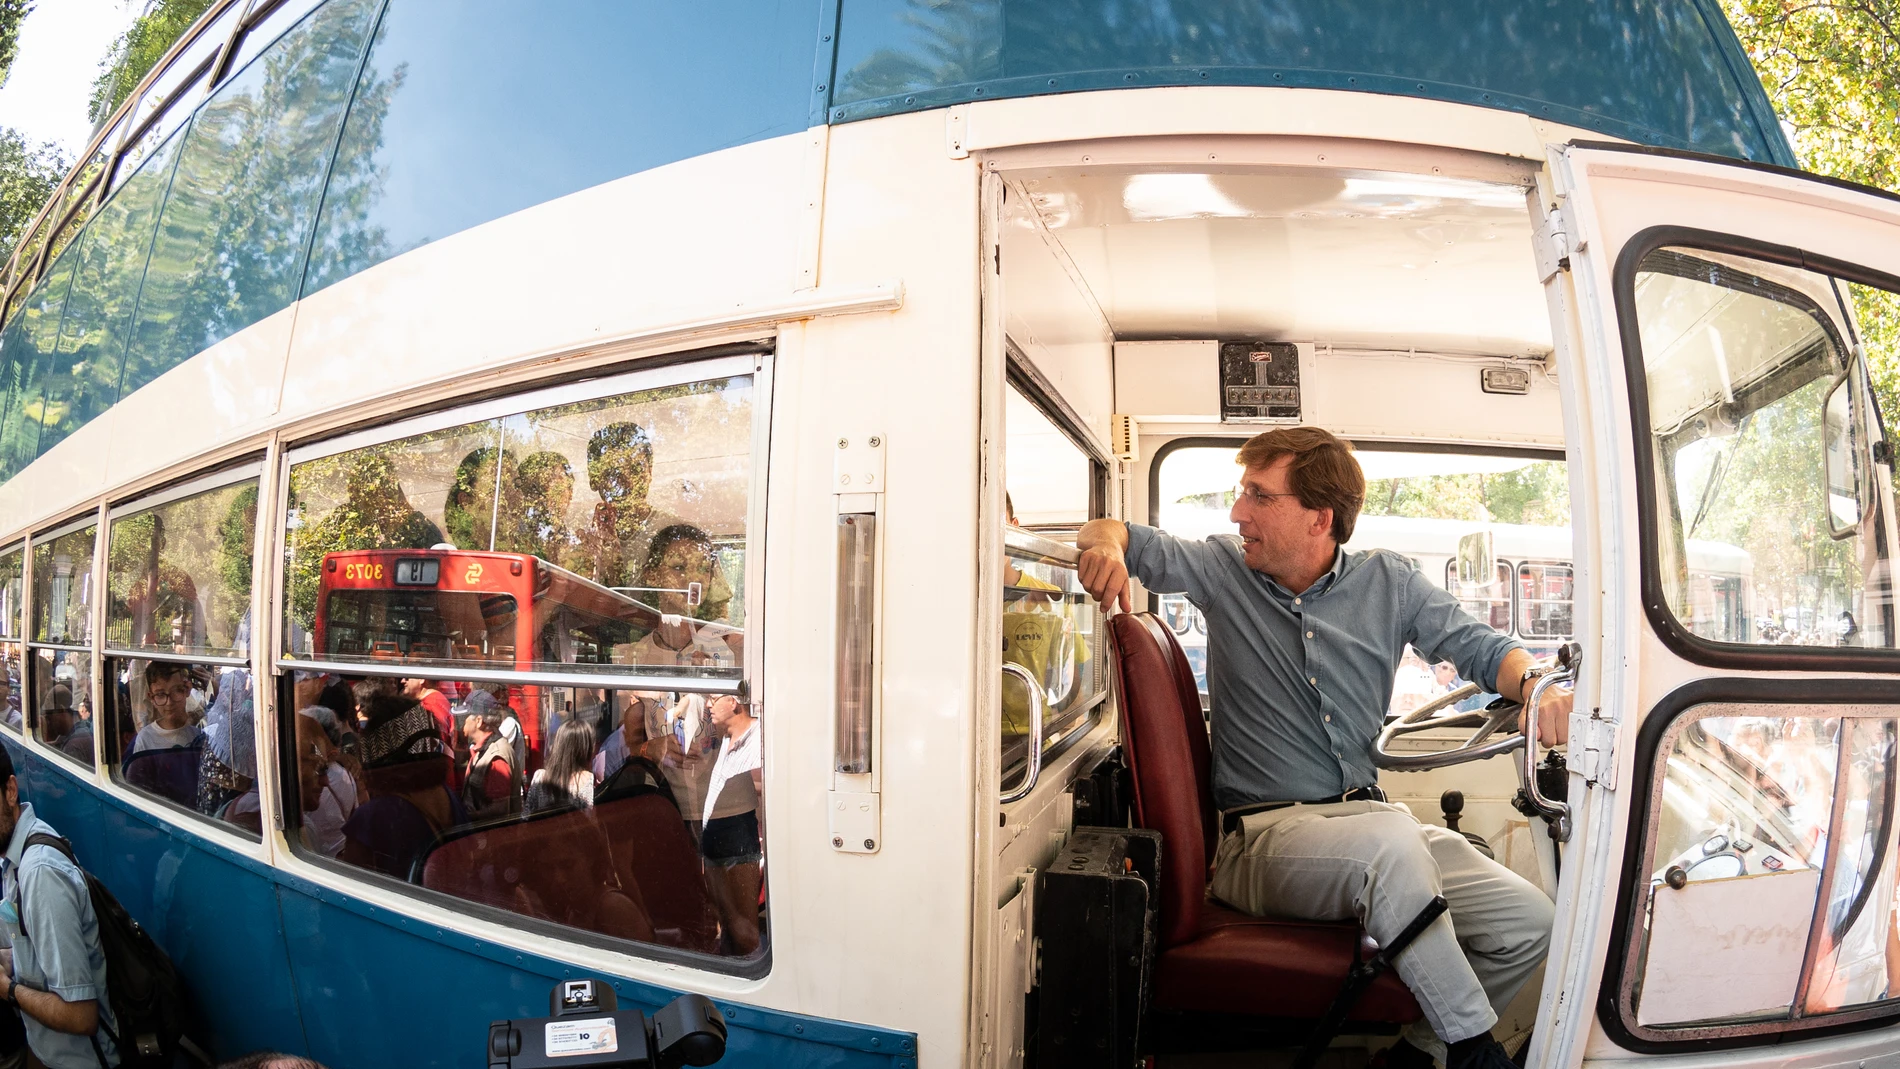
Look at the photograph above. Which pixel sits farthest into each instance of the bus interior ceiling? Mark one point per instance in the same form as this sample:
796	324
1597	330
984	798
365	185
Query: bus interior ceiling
1396	290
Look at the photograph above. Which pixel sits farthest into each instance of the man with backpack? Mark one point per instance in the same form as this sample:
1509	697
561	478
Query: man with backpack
56	967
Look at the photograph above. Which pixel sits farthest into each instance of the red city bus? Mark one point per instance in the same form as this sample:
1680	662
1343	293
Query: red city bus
447	608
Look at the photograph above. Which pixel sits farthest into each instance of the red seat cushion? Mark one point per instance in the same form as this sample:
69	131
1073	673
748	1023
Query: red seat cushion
1272	968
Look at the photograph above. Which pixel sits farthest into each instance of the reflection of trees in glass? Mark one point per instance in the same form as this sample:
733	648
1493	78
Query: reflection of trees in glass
171	576
1537	494
520	508
620	471
1770	502
374	513
951	42
346	242
232	236
1877	313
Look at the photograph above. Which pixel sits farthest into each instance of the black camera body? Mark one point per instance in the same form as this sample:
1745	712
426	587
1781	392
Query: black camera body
586	1029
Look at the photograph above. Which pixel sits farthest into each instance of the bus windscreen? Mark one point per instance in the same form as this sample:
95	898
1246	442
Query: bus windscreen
460	625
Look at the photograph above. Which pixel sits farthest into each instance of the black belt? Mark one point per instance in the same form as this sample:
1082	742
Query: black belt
1230	819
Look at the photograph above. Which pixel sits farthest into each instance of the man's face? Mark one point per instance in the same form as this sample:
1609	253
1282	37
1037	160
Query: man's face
412	688
313	758
472	729
723	708
1444	673
57	722
1275	531
168	698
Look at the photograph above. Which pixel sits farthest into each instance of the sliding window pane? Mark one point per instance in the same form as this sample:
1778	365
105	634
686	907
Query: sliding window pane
12	684
12	592
178	576
62	587
639	821
604	532
184	734
62	696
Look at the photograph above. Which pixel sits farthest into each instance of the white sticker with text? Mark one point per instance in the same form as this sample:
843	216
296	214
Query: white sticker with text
592	1036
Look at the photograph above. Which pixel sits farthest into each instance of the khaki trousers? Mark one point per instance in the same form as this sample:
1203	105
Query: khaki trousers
1374	863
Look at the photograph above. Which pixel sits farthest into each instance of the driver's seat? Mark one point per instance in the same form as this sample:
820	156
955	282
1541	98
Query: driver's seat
1209	958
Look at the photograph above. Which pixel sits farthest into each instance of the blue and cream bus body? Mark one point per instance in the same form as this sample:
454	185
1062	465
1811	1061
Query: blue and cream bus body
812	330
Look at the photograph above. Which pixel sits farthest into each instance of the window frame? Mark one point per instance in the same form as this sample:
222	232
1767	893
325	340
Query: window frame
754	360
29	720
1520	619
1615	1010
251	470
1671	632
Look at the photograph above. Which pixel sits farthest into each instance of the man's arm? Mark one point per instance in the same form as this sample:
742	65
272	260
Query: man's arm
74	1018
1103	568
53	902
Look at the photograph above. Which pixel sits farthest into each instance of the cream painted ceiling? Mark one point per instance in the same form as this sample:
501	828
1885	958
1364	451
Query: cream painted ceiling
1358	260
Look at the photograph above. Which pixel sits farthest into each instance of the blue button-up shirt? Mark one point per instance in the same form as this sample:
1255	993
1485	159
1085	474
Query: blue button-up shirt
1300	682
57	949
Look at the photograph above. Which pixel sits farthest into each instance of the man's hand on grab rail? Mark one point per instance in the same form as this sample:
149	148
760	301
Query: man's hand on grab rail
1102	568
1553	710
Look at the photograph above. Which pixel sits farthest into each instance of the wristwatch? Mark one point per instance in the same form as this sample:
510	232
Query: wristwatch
12	982
1530	676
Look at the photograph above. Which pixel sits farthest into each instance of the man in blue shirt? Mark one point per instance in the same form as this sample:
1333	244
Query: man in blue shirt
56	969
1303	640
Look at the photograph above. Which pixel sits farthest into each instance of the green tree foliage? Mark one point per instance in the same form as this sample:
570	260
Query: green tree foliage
142	45
1537	494
28	175
12	13
1832	69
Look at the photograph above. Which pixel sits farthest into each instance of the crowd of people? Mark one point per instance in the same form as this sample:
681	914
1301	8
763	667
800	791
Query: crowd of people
391	768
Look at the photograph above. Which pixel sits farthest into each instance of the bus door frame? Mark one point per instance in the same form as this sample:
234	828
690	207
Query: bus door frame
1591	202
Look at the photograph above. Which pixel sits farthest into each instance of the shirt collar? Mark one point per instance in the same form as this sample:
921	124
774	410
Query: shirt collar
1320	585
16	846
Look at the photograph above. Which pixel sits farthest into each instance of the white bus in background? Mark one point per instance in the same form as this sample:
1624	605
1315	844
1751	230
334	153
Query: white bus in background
1531	597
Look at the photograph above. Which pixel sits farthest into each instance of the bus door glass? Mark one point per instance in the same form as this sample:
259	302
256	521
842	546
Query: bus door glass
1746	895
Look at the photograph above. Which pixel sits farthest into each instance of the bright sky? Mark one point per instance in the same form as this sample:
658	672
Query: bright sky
61	44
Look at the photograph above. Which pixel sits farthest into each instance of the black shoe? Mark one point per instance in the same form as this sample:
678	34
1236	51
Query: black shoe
1478	1052
1402	1055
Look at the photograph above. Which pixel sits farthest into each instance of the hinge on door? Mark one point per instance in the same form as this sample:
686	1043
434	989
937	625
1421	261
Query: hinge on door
1551	243
1593	748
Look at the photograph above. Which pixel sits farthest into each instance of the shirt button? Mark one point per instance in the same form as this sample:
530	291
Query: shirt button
1309	634
1329	719
1313	680
1296	601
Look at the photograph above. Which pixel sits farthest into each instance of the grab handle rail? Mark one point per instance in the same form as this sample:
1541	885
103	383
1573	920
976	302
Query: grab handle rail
1036	704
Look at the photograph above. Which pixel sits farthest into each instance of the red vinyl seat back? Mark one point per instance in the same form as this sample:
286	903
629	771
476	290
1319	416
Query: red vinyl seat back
1164	741
641	840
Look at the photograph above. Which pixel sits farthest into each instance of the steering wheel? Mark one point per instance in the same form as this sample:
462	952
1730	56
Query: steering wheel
1497	732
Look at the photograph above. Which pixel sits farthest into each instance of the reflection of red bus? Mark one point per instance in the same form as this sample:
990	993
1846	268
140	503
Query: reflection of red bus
448	608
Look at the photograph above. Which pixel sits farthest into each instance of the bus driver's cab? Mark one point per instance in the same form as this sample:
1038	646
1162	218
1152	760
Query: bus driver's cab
1617	404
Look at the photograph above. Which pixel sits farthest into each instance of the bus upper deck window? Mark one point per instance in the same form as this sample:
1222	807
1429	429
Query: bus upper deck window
546	533
1740	360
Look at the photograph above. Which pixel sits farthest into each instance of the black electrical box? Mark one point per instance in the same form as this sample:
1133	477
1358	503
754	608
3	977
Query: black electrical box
1259	382
1097	908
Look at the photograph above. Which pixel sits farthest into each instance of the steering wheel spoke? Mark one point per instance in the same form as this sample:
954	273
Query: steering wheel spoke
1496	732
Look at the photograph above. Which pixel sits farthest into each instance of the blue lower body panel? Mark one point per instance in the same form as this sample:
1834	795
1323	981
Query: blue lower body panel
278	962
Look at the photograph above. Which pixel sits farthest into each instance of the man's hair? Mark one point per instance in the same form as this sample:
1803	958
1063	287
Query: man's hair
1323	473
491	719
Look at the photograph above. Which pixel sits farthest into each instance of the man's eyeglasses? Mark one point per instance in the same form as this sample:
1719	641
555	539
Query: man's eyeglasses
1258	498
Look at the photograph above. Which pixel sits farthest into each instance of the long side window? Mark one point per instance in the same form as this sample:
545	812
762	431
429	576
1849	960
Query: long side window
1760	435
1781	827
178	692
513	653
59	648
12	630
